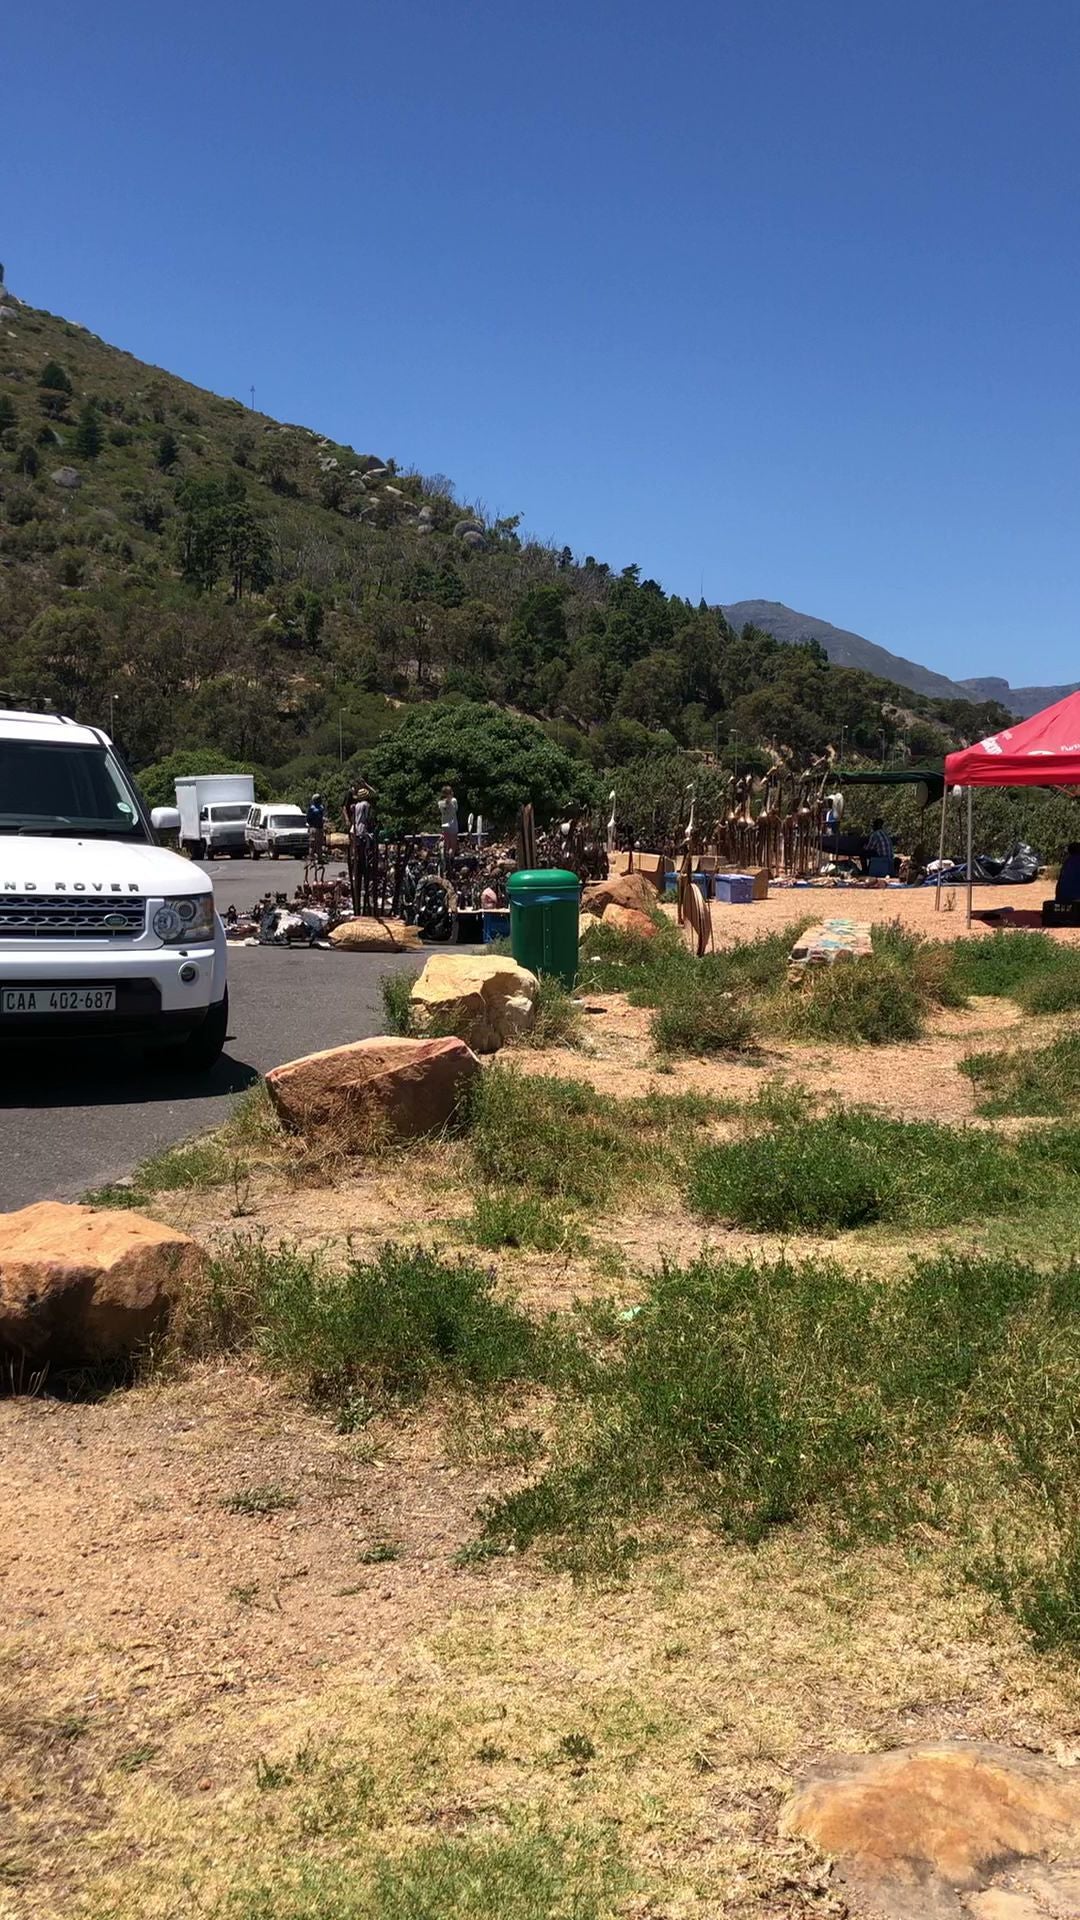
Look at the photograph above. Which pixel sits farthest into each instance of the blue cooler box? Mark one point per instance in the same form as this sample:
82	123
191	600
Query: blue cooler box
737	889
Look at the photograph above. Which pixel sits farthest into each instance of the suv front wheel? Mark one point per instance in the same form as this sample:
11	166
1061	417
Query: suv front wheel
202	1049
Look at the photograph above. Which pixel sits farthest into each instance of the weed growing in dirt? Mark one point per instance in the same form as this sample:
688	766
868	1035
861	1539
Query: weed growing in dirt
395	989
564	1141
198	1163
385	1329
558	1016
504	1218
850	1168
1027	1080
648	970
255	1501
380	1554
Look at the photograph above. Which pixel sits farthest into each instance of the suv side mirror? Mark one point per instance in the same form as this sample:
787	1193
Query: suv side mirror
165	819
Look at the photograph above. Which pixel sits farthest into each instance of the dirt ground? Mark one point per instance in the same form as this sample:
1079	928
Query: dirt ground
160	1652
914	906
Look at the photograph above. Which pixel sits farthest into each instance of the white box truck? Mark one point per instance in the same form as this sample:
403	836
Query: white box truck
103	933
213	810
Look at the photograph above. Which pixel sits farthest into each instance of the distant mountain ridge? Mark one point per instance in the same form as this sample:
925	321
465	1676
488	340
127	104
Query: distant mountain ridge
853	650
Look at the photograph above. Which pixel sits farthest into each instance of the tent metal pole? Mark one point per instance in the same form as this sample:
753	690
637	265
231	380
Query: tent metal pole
941	849
969	793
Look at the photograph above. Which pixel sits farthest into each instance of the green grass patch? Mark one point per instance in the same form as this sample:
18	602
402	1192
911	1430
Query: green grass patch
852	1169
874	1001
559	1017
396	989
752	1394
703	1020
1004	964
384	1330
564	1141
1039	1081
522	1874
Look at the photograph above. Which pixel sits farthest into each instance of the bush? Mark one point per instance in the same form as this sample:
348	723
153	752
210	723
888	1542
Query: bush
555	1137
396	989
849	1169
877	1001
703	1021
558	1016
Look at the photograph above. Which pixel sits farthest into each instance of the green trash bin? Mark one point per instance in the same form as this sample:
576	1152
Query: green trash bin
545	903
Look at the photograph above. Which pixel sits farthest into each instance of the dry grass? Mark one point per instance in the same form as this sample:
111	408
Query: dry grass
400	1700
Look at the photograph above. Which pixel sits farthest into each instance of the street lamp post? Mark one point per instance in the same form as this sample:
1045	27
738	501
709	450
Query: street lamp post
340	738
733	736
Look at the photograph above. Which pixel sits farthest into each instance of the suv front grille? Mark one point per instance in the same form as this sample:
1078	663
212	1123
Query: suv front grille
62	916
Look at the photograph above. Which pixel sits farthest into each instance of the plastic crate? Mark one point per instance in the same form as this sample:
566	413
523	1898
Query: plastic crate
735	889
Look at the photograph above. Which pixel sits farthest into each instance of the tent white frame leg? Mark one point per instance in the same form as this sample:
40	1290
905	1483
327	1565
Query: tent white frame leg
970	791
941	851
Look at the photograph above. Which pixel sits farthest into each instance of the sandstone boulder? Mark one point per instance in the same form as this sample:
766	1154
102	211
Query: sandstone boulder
365	935
81	1285
629	920
486	1001
621	890
936	1833
374	1089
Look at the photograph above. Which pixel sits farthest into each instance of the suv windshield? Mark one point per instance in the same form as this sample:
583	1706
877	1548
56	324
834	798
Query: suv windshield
294	820
65	790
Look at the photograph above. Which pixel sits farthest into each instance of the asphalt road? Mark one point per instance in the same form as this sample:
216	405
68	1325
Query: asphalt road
73	1120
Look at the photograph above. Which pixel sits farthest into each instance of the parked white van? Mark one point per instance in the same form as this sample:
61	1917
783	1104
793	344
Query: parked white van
276	829
102	932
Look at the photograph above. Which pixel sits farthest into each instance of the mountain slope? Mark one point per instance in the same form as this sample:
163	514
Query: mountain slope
213	580
852	650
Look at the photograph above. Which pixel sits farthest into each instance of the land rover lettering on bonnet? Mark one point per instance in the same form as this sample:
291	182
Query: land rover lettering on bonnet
102	931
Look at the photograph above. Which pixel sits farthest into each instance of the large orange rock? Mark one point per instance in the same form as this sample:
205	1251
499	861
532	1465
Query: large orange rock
487	999
629	920
365	935
81	1285
621	890
935	1832
372	1088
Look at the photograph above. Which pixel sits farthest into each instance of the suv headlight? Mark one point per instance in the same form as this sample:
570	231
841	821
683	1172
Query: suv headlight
185	920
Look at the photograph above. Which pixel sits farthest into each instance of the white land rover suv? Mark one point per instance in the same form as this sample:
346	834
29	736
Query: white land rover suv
102	932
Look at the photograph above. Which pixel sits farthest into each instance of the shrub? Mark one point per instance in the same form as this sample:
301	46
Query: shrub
548	1136
1053	989
384	1329
877	1001
558	1016
703	1020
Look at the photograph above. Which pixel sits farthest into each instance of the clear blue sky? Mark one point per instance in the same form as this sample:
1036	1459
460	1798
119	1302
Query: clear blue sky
775	298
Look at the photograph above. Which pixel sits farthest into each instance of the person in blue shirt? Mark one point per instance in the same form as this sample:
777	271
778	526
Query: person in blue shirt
878	851
316	825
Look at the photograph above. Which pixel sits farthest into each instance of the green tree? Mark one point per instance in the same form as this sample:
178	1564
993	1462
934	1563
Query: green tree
53	376
63	658
89	438
26	460
157	783
8	415
493	761
168	451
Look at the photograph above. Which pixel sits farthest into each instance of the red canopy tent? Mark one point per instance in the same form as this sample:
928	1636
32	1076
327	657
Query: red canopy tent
1041	752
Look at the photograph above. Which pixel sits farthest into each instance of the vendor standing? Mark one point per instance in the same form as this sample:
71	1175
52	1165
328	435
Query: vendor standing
316	826
448	820
878	851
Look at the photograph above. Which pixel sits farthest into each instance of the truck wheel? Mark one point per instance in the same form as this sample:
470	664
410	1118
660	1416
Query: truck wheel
237	856
202	1049
198	849
252	855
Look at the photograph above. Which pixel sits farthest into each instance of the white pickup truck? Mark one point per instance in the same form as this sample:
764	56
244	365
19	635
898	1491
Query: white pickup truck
102	932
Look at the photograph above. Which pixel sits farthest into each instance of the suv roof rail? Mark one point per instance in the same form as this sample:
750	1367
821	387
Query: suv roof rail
28	703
